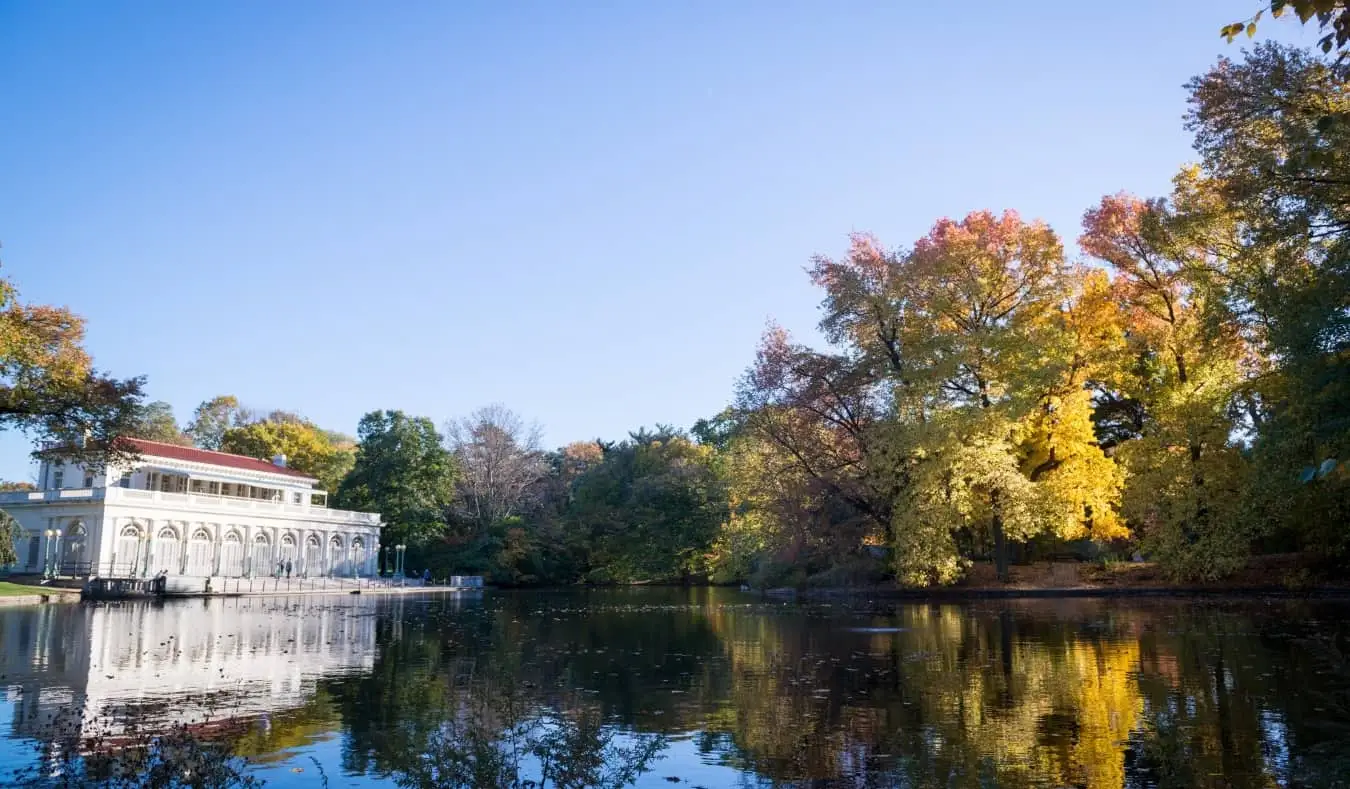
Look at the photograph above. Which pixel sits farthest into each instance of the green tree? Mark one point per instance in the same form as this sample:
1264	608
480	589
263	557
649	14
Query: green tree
155	422
213	418
1269	207
10	530
404	472
651	508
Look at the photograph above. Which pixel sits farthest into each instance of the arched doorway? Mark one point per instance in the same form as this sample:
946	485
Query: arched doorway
358	555
73	557
335	563
232	555
127	551
313	556
199	553
288	552
260	563
167	552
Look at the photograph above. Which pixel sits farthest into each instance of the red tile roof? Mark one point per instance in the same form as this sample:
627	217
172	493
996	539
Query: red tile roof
159	449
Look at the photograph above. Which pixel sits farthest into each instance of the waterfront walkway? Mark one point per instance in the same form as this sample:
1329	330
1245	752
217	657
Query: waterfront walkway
221	586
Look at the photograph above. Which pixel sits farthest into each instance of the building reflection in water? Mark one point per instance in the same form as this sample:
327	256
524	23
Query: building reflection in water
108	671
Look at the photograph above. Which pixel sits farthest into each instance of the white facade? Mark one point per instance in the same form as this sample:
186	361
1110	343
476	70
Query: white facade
188	512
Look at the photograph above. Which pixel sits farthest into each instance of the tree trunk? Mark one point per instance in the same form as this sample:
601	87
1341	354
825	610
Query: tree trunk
1000	540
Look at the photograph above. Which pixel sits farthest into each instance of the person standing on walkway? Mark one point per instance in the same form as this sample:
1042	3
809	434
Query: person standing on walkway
288	568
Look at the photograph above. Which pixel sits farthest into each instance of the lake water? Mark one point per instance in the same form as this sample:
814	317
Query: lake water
733	690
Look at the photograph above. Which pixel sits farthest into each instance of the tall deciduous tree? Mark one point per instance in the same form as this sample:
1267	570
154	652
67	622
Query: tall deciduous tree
1270	208
156	422
499	460
213	418
1187	475
307	448
404	472
982	343
49	388
651	508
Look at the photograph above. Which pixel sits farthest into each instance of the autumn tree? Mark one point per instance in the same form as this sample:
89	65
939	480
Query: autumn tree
982	341
1186	474
820	411
307	447
49	388
1332	17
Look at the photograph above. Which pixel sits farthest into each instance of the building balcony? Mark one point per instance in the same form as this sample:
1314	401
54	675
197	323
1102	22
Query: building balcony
195	502
50	496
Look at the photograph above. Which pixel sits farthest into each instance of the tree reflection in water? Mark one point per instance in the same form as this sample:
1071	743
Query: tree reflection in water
498	738
585	689
76	752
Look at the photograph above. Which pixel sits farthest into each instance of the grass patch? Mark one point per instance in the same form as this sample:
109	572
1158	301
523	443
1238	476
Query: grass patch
8	589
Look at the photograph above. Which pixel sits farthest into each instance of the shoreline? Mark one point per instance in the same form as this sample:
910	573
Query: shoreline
996	593
392	591
41	598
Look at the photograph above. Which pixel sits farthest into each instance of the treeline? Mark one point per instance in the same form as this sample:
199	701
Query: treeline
483	496
1181	392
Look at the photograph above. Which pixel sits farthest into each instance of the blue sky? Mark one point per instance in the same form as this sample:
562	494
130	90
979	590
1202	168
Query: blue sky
586	211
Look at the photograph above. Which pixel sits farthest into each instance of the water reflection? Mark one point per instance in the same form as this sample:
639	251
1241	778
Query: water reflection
1086	693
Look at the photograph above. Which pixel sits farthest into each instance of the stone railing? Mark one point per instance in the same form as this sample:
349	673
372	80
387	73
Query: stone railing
42	496
192	501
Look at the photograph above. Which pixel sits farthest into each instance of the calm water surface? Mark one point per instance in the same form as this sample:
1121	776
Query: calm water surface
743	692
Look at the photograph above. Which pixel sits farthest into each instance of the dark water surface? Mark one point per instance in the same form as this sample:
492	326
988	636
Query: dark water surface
742	692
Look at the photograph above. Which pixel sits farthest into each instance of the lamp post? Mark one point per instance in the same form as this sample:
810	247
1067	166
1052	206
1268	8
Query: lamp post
399	553
53	553
145	569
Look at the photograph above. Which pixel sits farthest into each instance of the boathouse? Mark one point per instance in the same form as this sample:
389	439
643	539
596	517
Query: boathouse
181	511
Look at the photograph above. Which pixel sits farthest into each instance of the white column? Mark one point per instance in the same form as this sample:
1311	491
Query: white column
249	569
218	534
184	540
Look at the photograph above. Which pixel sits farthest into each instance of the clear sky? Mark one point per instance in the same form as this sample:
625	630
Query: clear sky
586	211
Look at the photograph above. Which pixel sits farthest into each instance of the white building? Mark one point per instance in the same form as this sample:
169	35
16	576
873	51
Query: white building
188	512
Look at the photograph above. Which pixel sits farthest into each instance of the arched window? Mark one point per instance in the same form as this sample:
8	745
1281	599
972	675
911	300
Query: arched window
199	553
72	550
127	558
232	555
167	553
